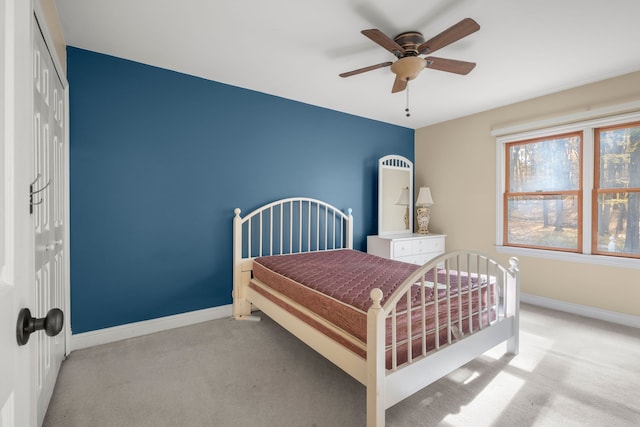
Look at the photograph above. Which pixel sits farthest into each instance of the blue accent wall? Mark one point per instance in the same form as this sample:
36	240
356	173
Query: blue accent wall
158	162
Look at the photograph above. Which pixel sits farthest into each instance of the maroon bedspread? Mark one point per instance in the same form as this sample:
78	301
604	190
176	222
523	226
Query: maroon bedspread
336	286
346	275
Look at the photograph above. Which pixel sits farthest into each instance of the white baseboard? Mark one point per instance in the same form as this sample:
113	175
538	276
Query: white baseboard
582	310
131	330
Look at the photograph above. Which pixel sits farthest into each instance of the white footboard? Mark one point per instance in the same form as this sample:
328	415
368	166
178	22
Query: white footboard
437	335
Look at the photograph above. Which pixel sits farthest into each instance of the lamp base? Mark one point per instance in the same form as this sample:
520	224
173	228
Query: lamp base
406	218
423	220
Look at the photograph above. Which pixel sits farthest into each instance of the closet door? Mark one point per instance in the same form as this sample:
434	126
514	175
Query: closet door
15	401
18	367
47	208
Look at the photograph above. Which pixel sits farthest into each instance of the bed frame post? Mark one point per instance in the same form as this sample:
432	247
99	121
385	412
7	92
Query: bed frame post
241	307
349	232
375	361
513	304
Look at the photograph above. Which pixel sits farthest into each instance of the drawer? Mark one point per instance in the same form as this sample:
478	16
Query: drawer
423	246
419	259
402	248
411	259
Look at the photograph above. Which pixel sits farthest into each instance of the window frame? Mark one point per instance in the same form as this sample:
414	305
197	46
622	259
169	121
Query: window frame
577	193
587	122
597	190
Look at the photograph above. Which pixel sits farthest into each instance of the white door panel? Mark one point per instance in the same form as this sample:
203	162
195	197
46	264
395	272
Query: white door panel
33	262
48	187
17	397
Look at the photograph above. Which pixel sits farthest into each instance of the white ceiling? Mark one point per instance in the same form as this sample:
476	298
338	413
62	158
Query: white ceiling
295	49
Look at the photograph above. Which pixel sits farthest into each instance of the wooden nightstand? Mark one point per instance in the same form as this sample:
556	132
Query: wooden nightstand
411	248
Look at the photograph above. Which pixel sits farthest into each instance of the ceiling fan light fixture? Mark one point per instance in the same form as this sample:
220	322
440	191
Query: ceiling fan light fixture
409	67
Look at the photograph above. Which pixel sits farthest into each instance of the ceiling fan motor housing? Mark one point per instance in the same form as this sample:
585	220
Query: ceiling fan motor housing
409	41
409	64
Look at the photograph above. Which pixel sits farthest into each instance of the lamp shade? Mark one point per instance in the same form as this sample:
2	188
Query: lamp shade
424	197
409	67
403	197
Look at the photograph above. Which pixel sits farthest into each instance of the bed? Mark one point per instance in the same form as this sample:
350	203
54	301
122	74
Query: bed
393	326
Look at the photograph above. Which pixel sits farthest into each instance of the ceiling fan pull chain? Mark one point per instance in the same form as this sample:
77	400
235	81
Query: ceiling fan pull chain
407	109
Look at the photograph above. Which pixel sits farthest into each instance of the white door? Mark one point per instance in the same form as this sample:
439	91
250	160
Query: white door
17	394
47	207
27	372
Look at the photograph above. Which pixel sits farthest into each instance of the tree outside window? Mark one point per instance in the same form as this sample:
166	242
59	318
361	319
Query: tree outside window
543	201
617	191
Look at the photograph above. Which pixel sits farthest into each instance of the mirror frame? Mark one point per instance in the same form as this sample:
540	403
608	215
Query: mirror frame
396	163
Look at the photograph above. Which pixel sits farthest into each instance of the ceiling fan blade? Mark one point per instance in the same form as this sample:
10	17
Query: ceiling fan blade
450	35
365	69
383	40
450	65
399	85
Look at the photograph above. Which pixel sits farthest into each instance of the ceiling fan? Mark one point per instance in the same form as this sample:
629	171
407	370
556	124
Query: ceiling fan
408	47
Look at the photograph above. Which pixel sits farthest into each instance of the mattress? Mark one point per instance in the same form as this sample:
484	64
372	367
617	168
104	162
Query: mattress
335	285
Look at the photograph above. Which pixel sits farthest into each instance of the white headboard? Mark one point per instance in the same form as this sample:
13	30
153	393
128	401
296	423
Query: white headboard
297	224
293	225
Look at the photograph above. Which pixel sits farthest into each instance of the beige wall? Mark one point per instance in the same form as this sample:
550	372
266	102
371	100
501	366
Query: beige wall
457	159
55	30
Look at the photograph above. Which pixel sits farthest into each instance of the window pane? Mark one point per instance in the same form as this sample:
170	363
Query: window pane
618	223
547	165
620	158
543	221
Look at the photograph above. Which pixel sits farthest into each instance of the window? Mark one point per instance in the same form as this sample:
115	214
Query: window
571	190
617	191
543	202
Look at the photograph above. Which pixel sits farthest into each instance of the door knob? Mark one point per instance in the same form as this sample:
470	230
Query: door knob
51	324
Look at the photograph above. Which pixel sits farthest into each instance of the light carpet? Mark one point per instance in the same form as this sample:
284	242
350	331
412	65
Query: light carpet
571	371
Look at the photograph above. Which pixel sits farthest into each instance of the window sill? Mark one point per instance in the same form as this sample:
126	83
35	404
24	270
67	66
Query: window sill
572	257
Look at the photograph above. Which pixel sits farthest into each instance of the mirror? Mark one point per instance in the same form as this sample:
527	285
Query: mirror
395	195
